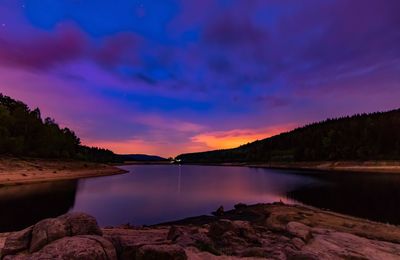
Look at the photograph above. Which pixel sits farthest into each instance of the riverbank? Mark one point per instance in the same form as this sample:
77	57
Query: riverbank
339	166
14	171
272	231
342	166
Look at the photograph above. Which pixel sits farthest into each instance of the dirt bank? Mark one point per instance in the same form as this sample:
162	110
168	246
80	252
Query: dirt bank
19	171
339	166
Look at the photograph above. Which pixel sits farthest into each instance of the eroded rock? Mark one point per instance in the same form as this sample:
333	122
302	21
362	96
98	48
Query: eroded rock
299	230
174	233
80	224
165	252
46	231
77	247
70	224
17	242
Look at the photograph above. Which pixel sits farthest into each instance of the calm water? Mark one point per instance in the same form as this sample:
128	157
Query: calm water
151	194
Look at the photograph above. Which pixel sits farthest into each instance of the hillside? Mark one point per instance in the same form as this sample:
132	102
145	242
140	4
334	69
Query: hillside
23	133
374	136
141	158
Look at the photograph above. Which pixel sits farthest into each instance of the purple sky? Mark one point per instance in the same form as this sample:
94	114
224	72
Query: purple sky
167	76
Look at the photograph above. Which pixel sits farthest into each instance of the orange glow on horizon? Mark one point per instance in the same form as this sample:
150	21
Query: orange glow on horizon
198	143
237	137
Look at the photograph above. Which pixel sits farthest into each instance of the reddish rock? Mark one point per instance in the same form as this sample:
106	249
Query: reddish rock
47	231
77	247
80	224
17	242
157	252
174	233
219	212
299	230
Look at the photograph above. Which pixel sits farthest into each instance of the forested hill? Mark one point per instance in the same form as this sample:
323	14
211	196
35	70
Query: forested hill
373	136
24	133
142	158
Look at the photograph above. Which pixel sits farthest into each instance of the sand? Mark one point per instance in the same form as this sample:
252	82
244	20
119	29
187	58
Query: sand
342	166
14	171
339	166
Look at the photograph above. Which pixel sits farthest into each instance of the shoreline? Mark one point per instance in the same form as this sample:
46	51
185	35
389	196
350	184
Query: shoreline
17	171
390	167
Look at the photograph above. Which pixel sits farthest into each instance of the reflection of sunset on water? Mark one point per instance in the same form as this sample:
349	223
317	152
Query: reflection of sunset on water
151	194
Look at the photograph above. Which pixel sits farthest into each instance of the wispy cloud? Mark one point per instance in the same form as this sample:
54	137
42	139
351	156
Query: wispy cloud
168	76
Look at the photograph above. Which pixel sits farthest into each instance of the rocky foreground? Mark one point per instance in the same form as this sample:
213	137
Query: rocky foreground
272	231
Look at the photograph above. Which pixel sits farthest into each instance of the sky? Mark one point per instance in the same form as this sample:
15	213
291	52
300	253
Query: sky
172	76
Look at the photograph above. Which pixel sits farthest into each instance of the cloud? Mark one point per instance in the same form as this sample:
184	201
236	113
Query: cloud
231	31
118	49
274	101
44	51
237	137
184	78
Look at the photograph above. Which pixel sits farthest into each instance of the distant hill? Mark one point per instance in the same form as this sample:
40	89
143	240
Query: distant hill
374	136
23	132
141	157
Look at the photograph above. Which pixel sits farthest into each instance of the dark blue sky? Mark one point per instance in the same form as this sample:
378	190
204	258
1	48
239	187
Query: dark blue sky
167	76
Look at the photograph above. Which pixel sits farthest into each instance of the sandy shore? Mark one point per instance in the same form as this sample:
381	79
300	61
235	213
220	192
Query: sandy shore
339	166
343	166
15	171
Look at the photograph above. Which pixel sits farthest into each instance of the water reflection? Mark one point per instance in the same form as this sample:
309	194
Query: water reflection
24	205
151	194
372	196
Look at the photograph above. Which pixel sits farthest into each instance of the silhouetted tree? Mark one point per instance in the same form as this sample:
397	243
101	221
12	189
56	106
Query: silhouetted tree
24	133
373	136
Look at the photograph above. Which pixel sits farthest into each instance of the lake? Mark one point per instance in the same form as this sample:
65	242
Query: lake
151	194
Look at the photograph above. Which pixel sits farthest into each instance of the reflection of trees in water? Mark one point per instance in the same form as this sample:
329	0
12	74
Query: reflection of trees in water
24	205
372	196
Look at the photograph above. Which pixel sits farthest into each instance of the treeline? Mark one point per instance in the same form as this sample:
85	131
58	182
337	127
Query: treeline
142	158
23	132
373	136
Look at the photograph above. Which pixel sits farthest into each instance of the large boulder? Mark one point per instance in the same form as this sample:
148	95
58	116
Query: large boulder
80	224
33	239
45	232
70	224
77	247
